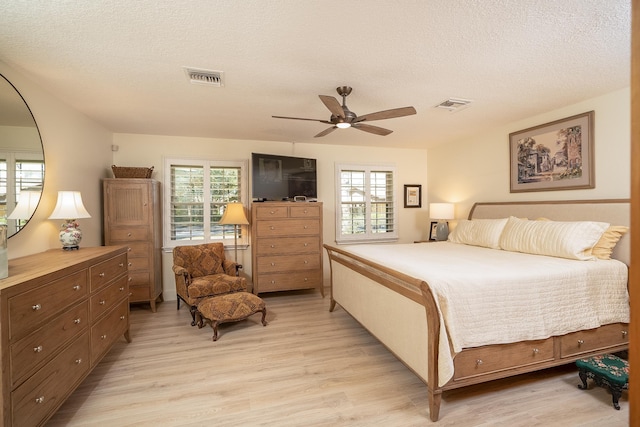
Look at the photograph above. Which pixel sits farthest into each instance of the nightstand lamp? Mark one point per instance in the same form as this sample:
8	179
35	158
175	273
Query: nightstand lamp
234	215
441	212
69	207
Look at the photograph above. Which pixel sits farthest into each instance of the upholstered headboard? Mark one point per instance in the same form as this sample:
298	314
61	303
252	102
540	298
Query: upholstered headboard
613	211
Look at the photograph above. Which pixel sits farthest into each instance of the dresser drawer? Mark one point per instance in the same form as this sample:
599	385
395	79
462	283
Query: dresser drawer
34	349
137	249
30	309
139	293
288	281
129	234
289	245
494	358
104	300
139	278
297	227
47	388
585	341
137	264
304	211
108	329
104	272
266	211
285	263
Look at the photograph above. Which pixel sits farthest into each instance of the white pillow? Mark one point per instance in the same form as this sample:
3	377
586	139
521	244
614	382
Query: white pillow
572	240
479	232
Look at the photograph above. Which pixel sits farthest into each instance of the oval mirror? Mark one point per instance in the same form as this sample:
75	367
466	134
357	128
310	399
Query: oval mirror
21	160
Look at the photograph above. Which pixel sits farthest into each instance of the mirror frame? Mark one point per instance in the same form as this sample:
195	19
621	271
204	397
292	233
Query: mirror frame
35	123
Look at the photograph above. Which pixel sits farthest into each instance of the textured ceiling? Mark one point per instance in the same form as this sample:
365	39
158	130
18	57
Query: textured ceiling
121	62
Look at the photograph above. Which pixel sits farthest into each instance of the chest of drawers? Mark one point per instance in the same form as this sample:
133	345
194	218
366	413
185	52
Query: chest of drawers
60	313
286	246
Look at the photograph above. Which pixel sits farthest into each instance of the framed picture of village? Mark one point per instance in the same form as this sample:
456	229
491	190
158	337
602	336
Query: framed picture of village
553	156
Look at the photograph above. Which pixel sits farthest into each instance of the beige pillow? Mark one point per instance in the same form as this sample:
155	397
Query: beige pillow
572	239
479	232
604	246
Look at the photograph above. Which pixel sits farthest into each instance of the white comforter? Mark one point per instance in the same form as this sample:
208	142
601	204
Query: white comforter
490	296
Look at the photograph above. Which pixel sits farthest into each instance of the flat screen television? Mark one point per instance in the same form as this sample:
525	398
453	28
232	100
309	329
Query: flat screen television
277	178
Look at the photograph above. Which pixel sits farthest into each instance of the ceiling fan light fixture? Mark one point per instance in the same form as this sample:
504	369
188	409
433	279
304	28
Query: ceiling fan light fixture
343	125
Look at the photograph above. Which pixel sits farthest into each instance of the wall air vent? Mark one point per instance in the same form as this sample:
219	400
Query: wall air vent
205	77
454	104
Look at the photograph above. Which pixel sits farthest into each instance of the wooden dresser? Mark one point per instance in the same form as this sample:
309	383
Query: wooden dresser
286	246
132	217
61	312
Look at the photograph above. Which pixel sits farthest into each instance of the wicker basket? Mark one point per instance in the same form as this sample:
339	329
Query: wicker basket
131	172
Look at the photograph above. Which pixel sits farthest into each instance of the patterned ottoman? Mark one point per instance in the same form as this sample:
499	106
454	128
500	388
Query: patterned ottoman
229	308
606	370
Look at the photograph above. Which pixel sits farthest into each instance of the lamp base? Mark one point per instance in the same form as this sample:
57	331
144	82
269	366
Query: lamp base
442	231
70	235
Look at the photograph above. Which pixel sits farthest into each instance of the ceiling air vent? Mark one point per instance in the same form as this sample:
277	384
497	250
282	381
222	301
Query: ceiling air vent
205	77
454	104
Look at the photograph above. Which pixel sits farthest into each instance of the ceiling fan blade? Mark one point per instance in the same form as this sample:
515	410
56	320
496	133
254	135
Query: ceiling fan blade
299	118
333	105
326	131
372	129
387	114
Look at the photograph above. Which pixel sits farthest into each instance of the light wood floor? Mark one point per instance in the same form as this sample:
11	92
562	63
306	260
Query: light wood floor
307	367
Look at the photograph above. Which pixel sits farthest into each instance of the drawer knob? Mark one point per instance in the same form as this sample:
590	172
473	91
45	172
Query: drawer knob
306	279
121	288
305	211
129	264
305	227
624	333
78	361
128	249
478	362
306	262
102	302
306	244
76	288
121	264
128	234
40	399
130	278
272	212
36	307
580	342
101	274
273	246
121	317
102	337
76	321
37	349
273	282
536	351
272	227
273	264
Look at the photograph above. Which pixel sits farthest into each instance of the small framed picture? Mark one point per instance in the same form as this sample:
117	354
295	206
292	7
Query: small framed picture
432	230
412	196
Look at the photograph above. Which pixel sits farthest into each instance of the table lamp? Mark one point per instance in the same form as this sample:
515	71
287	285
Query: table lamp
234	215
441	212
69	207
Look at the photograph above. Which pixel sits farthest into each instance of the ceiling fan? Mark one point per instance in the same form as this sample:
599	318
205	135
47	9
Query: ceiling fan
342	117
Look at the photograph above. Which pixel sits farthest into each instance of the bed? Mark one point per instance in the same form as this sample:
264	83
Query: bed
458	314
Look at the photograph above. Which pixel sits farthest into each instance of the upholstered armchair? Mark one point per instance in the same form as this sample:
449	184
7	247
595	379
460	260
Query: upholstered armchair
203	271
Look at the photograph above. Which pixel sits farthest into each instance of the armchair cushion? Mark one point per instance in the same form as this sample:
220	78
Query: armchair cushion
215	284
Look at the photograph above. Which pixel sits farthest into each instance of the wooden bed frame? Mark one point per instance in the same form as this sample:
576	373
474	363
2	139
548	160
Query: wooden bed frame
392	306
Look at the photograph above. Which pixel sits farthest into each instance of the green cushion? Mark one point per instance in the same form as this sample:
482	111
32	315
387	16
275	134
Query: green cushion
608	366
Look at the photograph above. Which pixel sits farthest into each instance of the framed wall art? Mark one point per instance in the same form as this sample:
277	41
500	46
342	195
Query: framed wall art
412	196
553	156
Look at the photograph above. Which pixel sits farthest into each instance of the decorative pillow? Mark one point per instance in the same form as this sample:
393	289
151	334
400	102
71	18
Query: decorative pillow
572	240
478	232
608	241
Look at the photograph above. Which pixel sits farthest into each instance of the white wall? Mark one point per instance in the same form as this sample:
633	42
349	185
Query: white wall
77	154
477	170
149	150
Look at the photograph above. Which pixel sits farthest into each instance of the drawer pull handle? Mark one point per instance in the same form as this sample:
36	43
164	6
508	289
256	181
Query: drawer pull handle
77	321
36	307
78	361
624	333
37	349
121	264
102	302
536	351
40	399
101	274
102	337
580	342
478	362
76	288
121	317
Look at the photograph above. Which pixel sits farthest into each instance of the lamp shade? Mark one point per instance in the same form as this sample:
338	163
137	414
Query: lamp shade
27	203
69	206
441	210
234	215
